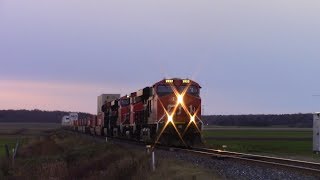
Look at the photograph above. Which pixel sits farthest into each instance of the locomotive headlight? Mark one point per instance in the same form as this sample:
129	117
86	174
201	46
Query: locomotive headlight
186	81
192	119
169	80
180	99
170	119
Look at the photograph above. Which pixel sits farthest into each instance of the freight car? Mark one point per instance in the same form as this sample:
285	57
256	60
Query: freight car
168	112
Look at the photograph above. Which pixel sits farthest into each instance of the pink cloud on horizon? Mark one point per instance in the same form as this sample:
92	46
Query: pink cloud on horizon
17	94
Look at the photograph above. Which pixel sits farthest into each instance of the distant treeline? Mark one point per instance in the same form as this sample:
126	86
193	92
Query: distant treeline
289	120
36	116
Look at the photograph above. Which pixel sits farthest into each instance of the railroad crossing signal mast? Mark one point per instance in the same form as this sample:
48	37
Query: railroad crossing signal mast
316	131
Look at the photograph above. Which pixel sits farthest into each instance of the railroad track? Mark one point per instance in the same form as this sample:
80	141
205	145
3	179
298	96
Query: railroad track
305	166
310	167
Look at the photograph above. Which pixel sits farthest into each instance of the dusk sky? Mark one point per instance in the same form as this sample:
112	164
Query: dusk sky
249	56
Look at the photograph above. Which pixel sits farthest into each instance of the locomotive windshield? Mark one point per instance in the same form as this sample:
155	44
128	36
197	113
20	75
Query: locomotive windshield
165	90
193	90
125	102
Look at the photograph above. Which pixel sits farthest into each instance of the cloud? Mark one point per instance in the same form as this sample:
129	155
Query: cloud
16	94
249	56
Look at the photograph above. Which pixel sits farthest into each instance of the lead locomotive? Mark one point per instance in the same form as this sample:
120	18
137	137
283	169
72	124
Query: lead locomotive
168	112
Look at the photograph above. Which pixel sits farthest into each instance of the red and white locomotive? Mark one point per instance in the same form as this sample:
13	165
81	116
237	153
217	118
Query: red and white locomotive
169	111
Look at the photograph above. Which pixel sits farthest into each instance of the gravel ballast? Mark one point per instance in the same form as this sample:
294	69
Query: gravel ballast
236	169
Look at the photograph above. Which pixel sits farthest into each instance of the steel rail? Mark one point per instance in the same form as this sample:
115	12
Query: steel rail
310	167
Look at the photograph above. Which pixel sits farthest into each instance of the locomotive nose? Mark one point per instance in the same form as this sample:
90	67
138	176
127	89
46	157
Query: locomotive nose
180	99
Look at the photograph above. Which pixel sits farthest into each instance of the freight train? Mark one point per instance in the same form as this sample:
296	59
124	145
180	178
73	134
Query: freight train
167	112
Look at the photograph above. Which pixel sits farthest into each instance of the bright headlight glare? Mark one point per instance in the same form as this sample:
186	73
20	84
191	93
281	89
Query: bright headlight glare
180	99
192	119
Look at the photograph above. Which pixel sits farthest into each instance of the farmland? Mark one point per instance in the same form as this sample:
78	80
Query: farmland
283	142
10	133
52	153
49	151
6	140
258	133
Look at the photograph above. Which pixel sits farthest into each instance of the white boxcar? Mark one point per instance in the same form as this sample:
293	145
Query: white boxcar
73	116
105	98
65	121
316	132
68	119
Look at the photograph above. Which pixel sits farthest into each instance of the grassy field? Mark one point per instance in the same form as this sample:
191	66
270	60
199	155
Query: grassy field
284	142
41	126
269	147
11	132
26	128
65	155
263	133
10	141
58	154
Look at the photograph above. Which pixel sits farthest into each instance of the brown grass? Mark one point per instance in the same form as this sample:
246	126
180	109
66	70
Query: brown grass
63	155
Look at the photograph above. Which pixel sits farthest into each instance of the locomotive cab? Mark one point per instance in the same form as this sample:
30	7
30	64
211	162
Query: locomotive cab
178	111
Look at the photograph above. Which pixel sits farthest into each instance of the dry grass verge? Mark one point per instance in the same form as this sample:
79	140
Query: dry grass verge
63	155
